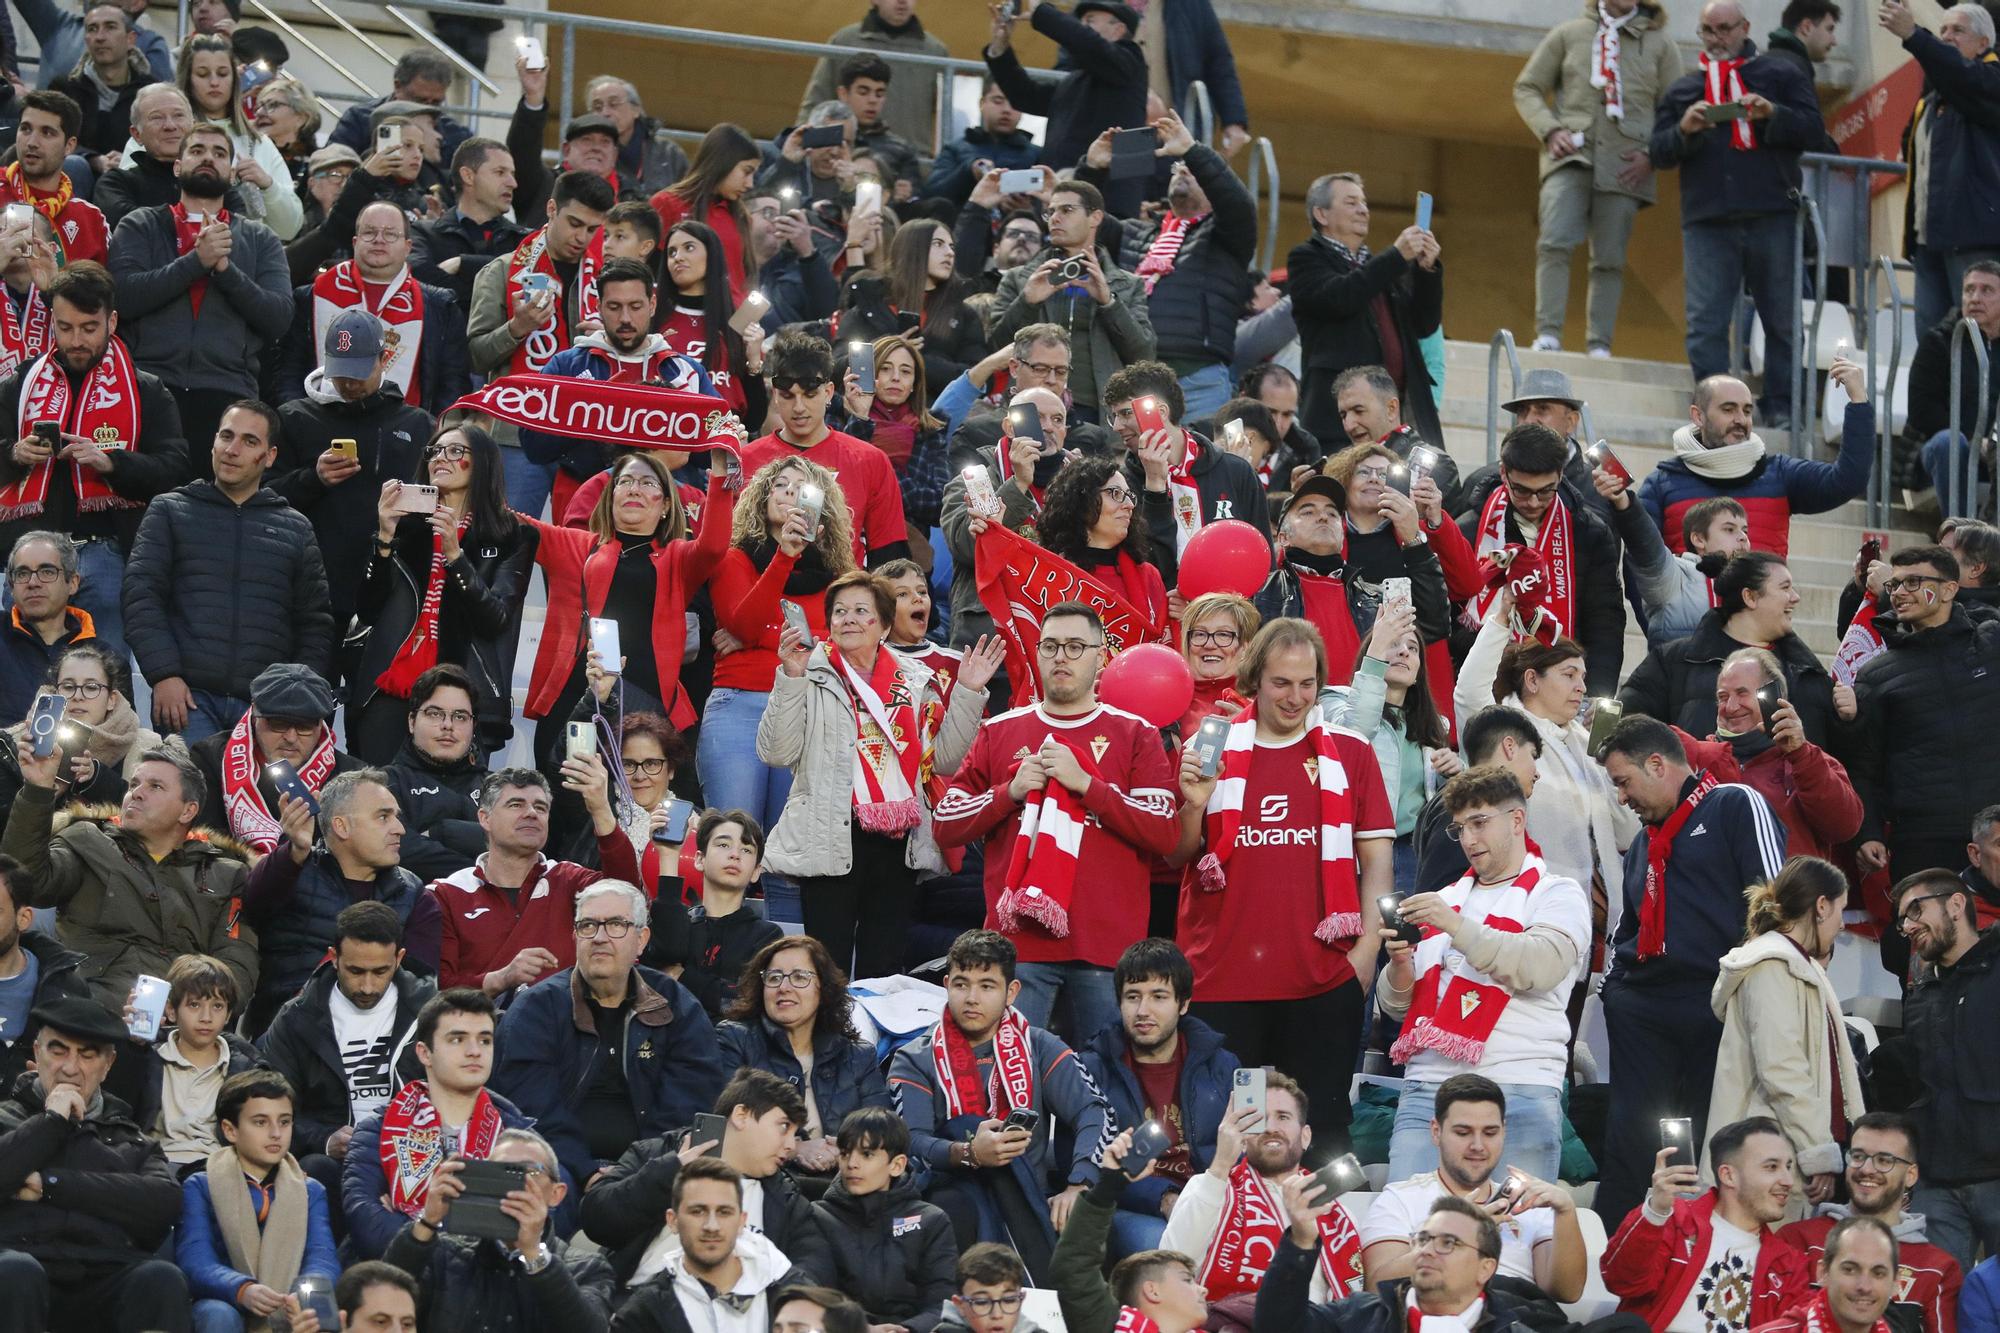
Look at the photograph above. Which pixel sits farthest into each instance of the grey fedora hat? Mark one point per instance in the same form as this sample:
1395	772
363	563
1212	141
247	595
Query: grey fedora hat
1543	386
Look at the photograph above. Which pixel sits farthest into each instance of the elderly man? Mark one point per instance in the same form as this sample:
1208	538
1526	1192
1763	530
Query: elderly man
648	161
1019	468
1371	412
1951	216
289	720
422	76
161	118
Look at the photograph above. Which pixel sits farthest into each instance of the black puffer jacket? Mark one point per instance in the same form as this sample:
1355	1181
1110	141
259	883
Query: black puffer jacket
478	1286
1923	758
440	806
1676	681
121	1199
896	1254
216	591
1104	87
300	1045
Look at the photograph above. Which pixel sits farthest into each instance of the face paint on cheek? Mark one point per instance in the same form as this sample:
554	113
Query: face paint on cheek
1930	596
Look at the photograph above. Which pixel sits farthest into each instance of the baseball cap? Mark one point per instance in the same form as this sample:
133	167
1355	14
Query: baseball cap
353	345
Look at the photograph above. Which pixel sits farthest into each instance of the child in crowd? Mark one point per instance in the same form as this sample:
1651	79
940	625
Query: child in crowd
892	1252
195	1053
719	935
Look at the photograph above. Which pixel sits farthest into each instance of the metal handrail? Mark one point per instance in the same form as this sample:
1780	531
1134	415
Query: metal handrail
1957	502
309	44
466	67
1501	339
1203	108
339	20
1264	172
1805	344
1881	476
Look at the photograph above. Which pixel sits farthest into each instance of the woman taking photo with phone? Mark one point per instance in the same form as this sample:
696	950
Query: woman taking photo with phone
723	170
865	732
697	324
893	417
101	734
443	586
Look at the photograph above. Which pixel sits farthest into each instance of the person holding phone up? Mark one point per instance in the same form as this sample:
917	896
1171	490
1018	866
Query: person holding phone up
1158	1291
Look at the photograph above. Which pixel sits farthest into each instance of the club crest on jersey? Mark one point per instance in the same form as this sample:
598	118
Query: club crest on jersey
1098	745
1467	1003
1312	769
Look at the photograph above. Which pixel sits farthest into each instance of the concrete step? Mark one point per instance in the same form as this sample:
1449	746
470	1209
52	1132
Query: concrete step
1463	357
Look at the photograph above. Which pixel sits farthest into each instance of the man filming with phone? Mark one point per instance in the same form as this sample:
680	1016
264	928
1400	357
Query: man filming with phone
1157	1291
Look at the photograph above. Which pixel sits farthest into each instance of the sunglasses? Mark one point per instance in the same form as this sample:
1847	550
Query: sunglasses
789	384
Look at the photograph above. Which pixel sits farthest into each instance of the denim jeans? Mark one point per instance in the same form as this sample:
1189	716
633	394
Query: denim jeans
1092	1000
1723	257
1534	1131
217	1317
211	712
1205	391
1132	1232
102	567
1941	453
732	776
528	482
1960	1219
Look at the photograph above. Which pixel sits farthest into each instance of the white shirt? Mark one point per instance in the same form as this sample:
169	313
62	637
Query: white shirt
1398	1213
665	1249
1719	1301
364	1038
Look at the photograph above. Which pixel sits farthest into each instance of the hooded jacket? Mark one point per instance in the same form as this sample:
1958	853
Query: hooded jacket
440	808
1921	753
300	1045
1206	1071
1676	681
893	1253
661	1305
1553	92
109	1197
1651	1266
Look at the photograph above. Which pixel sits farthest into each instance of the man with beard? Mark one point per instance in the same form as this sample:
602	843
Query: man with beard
1691	1259
1858	1277
1539	1239
1881	1172
50	123
1019	468
1371	412
161	118
1945	1025
435	777
203	291
1720	453
1229	1218
343	1042
106	460
34	970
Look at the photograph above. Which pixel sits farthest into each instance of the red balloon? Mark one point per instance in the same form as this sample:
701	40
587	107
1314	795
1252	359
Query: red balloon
1150	680
1230	556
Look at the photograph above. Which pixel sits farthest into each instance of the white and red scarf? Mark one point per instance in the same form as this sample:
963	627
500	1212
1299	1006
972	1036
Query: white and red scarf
401	308
1604	74
1722	81
1862	643
250	820
1819	1316
106	411
1041	866
532	256
24	334
185	235
1133	1321
419	650
1011	1086
1251	1228
1455	1007
587	269
1659	848
412	1144
1184	494
890	744
1165	249
1339	875
1544	596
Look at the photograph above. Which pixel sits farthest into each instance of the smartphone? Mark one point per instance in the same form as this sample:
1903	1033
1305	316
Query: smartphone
538	284
388	138
1234	436
1600	455
18	216
1027	180
149	1008
709	1128
1339	1176
1400	479
1395	589
1605	715
414	499
980	496
822	136
315	1295
679	812
1149	415
1423	211
867	198
1679	1136
346	449
1423	462
1209	739
476	1212
531	53
1022	1117
581	739
1248	1088
604	641
1132	153
43	719
861	361
755	306
1871	547
49	433
1768	700
1025	423
1722	111
1149	1140
1390	906
795	616
287	781
812	500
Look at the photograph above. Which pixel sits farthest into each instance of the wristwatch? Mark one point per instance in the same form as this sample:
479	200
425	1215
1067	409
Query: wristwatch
539	1260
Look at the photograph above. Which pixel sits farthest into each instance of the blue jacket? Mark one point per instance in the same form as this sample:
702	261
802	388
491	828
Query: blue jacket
203	1256
1960	109
846	1076
549	1046
951	174
1204	1097
1718	179
1979	1298
25	660
370	1225
588	360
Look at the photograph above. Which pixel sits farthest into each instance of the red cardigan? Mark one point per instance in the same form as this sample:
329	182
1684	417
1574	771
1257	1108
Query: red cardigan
578	569
1651	1268
747	605
672	208
1809	790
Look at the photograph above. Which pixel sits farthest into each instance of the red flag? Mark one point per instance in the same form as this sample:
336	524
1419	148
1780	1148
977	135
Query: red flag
1018	583
636	416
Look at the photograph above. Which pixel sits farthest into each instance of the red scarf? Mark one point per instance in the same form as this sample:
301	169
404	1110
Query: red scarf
412	1143
249	818
185	233
532	256
106	412
1133	1321
1819	1314
1722	81
1659	848
890	745
1165	249
1604	55
1019	581
1544	607
1041	866
1253	1226
1339	874
1454	1007
401	308
628	416
1012	1085
23	335
1858	646
1184	494
419	652
586	273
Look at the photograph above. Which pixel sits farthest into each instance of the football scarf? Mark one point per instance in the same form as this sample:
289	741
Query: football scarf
1186	498
889	744
412	1143
532	256
1455	1007
419	650
185	234
1545	589
24	333
1041	866
1862	643
401	309
1604	63
1253	1223
1819	1316
1012	1085
106	411
1722	81
1165	249
249	818
1659	848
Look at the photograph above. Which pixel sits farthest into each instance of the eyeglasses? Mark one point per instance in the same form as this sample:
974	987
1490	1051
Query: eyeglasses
380	234
457	453
434	715
985	1305
1523	494
1444	1244
1047	371
1909	583
793	384
1118	495
796	979
21	574
1884	1162
632	482
1214	638
290	726
80	689
1477	824
1914	908
1375	474
1033	234
650	768
333	173
1067	649
616	928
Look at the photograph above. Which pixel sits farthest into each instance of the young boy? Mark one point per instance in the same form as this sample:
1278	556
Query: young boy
991	1286
892	1252
722	935
185	1069
632	231
913	622
252	1225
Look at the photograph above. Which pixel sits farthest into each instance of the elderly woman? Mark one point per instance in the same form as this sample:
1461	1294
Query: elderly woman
1215	628
288	116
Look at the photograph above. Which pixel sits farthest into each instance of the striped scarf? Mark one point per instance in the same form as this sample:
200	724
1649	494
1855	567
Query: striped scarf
1659	848
1722	81
1604	63
1041	867
889	744
1253	1226
1165	249
1339	875
1455	1007
1012	1086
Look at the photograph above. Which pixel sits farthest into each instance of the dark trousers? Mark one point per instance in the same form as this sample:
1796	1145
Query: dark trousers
1316	1040
327	1172
149	1297
991	1205
863	917
1663	1044
201	413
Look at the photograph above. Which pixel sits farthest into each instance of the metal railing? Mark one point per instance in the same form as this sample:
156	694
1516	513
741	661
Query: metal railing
1201	113
1502	339
1881	477
1805	342
1834	200
1958	494
1263	182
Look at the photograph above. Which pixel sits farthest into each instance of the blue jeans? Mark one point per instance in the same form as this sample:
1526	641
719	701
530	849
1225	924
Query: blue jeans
528	482
1720	259
1132	1232
102	566
216	1317
210	713
1206	390
1942	454
732	776
1092	1000
1534	1131
1960	1219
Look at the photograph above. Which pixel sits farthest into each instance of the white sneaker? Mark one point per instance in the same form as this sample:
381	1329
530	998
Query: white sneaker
1600	353
1546	343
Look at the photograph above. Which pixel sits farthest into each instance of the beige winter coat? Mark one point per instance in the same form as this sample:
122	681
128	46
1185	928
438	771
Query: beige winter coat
808	727
1774	1004
1559	72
